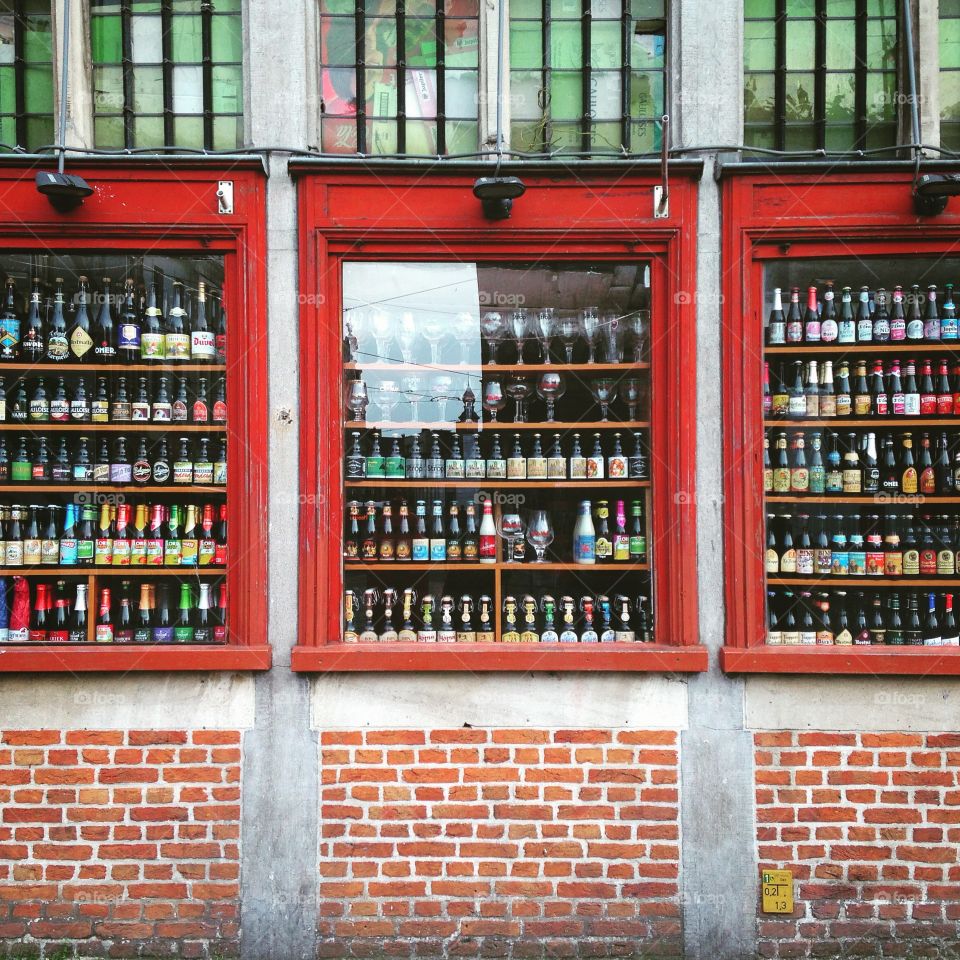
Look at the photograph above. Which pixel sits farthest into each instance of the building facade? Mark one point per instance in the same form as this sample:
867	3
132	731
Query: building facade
288	795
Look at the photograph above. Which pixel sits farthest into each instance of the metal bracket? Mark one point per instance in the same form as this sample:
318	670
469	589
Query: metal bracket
225	196
661	203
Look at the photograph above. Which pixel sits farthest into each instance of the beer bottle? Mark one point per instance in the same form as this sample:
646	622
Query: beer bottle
584	536
852	473
799	473
203	625
58	347
220	330
767	466
911	393
880	404
434	463
931	319
536	462
376	466
811	318
143	629
864	319
915	323
39	403
34	342
829	328
897	398
616	462
454	467
396	464
774	627
946	560
871	470
140	408
496	463
190	544
104	350
173	545
77	632
908	474
407	632
13	556
528	616
890	473
578	462
846	326
427	632
369	548
68	539
944	391
638	464
485	631
59	404
10	324
588	634
794	318
403	548
893	549
772	561
595	462
510	632
203	342
163	622
177	342
356	462
104	628
843	403
827	399
516	462
32	555
123	628
817	473
421	542
389	632
81	342
928	394
183	465
824	627
152	340
203	467
568	608
61	470
913	633
386	547
949	634
470	545
780	398
220	615
808	629
438	539
948	323
556	461
638	534
161	410
549	632
621	539
926	481
928	549
943	472
179	411
40	472
788	553
474	463
822	556
781	466
898	320
487	538
207	548
4	463
18	410
128	333
797	404
604	543
805	554
839	549
351	542
776	324
161	463
183	631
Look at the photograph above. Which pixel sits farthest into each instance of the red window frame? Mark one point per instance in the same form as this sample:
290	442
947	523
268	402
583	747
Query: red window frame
173	207
785	213
403	214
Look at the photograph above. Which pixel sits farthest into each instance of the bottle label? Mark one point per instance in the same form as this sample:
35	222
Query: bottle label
220	472
161	471
79	411
154	552
172	553
594	468
496	469
898	329
200	412
128	337
57	347
945	405
396	467
911	563
39	411
578	468
915	330
476	469
103	557
454	469
85	551
189	552
776	333
488	547
141	471
584	548
813	331
203	345
843	404
163	634
121	410
438	549
840	563
781	480
99	411
805	561
616	467
536	468
104	633
80	342
823	561
9	338
356	467
800	479
13	556
138	552
183	471
121	473
152	346
60	410
797	406
893	564
179	411
864	330
556	468
945	563
949	329
31	552
121	552
104	352
162	412
828	405
140	411
817	479
421	550
828	331
794	331
516	468
177	346
861	405
221	342
202	472
68	551
874	562
911	404
852	481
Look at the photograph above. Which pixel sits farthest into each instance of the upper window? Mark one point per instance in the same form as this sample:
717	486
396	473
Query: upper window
820	74
950	74
416	63
167	73
26	74
587	76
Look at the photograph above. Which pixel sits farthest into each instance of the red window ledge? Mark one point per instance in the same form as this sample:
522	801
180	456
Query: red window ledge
498	657
99	658
902	661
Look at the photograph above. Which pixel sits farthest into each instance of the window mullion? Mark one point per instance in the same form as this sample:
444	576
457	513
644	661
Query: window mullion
441	79
780	77
18	69
586	106
860	76
401	77
547	72
166	44
626	128
360	30
206	52
820	75
126	39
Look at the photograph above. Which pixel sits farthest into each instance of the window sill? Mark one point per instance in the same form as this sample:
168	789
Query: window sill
902	661
498	657
100	658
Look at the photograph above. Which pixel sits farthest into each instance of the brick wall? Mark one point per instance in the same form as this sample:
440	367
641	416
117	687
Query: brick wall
521	843
119	843
870	824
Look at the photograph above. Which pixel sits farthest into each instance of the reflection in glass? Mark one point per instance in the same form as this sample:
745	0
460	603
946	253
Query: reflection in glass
519	325
518	389
550	388
546	327
493	399
357	400
493	328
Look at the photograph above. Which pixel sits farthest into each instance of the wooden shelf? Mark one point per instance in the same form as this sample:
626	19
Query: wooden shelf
880	582
397	566
900	346
118	368
498	484
132	572
862	660
874	422
133	426
877	499
107	489
507	368
544	426
97	657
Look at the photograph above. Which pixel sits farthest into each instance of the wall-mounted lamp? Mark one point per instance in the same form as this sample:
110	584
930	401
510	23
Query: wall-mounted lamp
65	191
932	191
497	194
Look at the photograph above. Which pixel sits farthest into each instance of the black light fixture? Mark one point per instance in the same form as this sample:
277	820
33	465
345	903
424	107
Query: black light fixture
497	194
65	191
932	191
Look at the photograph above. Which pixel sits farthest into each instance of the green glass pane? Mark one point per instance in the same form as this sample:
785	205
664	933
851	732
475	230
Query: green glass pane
7	49
606	10
525	45
106	39
765	9
566	9
606	137
8	90
881	44
527	137
462	43
39	132
462	136
646	9
8	131
338	46
338	135
227	90
565	137
381	93
801	137
840	136
801	8
949	8
107	89
566	96
645	136
148	90
186	39
949	136
38	89
646	94
146	39
418	8
840	54
647	50
108	132
800	45
757	135
565	46
227	6
37	39
759	46
227	133
949	44
337	6
148	131
759	97
881	135
381	137
461	93
186	6
382	8
421	137
799	98
532	9
840	96
605	44
381	42
525	96
146	6
421	43
187	83
841	8
605	99
882	8
188	132
950	95
881	97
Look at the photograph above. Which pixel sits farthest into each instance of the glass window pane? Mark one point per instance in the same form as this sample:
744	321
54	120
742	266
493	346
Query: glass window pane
840	53
801	8
646	9
566	9
765	9
759	46
646	94
148	131
8	90
338	44
461	92
949	44
37	39
188	90
840	96
647	50
605	96
148	90
462	43
949	8
950	95
882	8
186	39
606	9
565	46
566	96
106	39
381	42
565	137
525	95
227	133
421	43
339	91
605	45
146	40
606	137
527	137
108	132
188	132
881	135
755	135
759	97
841	8
421	95
840	137
8	131
526	45
526	9
799	105
381	137
462	136
338	136
800	45
800	137
881	97
38	89
381	93
421	137
108	89
337	6
881	44
40	132
227	85
949	136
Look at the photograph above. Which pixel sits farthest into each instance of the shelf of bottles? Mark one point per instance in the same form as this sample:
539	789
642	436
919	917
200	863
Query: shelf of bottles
113	413
496	444
861	413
